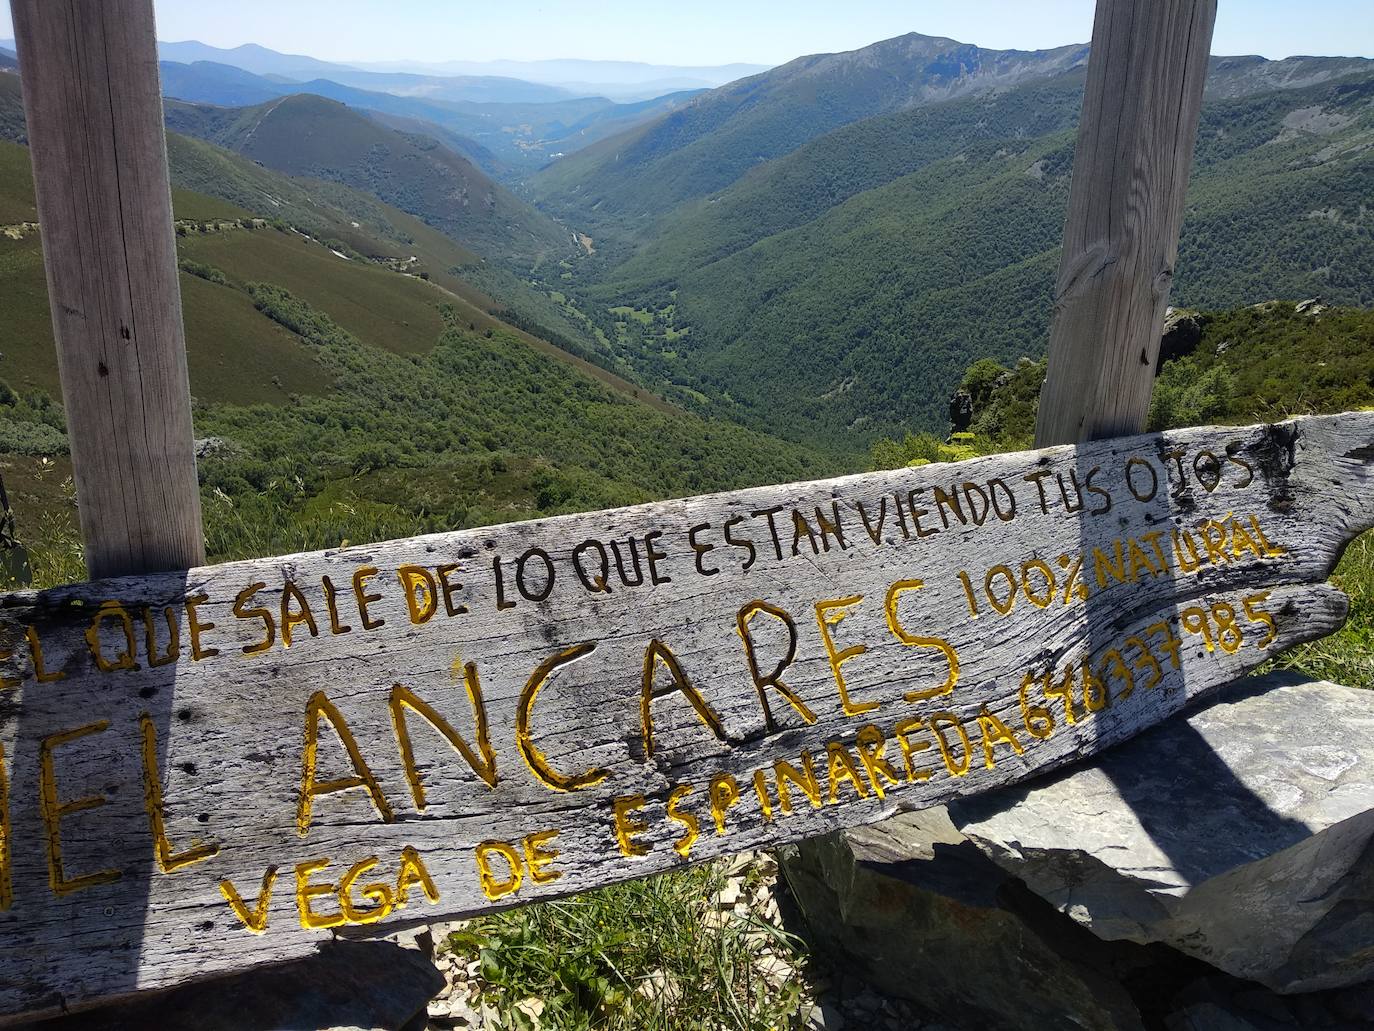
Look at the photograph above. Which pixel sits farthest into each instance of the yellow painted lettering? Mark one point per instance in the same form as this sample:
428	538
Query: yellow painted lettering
743	618
254	919
872	746
786	774
53	811
902	732
162	656
994	730
537	856
938	722
493	885
413	871
628	825
195	627
307	892
242	611
829	613
403	698
168	861
894	594
657	653
6	848
692	827
124	659
723	792
320	707
295	611
422	593
360	595
378	894
40	671
534	758
840	768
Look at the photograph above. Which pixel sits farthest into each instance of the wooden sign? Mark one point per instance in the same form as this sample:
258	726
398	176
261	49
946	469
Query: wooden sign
210	770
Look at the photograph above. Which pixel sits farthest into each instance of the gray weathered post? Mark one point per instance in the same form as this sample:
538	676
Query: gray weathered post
1130	172
94	110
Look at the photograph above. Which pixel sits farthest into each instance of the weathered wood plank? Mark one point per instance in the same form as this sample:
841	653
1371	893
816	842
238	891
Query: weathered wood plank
1140	115
94	113
913	636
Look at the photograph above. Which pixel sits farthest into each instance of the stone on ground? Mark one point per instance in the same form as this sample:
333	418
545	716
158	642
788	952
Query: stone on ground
914	907
1241	834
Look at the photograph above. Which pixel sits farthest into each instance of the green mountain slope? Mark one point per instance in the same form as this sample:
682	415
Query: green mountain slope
234	354
347	399
1265	362
803	185
352	220
838	292
622	184
380	272
620	188
310	136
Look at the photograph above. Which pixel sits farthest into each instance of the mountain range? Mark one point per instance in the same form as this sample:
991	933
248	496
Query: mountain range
817	251
619	80
506	125
821	250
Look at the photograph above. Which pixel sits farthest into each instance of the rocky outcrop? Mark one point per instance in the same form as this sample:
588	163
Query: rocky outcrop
918	911
1216	871
1242	835
1182	333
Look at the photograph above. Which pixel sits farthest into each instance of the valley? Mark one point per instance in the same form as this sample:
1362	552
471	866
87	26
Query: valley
834	291
423	296
806	260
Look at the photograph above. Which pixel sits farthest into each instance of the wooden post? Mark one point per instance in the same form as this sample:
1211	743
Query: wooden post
1130	172
94	110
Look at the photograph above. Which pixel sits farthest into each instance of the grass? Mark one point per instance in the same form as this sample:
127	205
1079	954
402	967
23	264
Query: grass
27	356
624	311
388	310
200	208
237	355
647	954
1347	656
16	186
43	497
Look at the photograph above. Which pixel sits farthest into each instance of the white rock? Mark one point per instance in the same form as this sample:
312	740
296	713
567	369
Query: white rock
728	896
824	1017
661	985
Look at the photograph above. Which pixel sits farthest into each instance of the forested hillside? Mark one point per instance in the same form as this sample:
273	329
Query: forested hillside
356	221
1261	363
836	292
343	398
310	136
622	185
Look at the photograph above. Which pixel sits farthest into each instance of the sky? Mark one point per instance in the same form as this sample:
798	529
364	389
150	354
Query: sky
707	32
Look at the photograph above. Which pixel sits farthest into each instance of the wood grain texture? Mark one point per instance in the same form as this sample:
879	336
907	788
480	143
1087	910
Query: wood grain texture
94	110
1136	136
182	765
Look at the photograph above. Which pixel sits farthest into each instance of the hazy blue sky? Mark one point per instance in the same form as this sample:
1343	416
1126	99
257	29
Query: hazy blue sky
711	31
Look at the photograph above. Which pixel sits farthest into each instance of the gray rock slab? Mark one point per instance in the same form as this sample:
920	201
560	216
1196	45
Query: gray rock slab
1241	834
917	912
